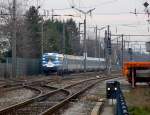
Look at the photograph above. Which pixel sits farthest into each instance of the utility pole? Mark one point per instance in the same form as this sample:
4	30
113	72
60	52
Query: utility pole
14	41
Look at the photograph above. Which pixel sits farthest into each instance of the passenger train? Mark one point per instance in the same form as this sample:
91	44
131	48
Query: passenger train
55	62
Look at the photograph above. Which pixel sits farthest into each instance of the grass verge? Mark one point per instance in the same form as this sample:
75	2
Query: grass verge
138	100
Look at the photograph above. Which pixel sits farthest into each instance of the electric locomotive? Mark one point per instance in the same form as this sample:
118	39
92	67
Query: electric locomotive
51	62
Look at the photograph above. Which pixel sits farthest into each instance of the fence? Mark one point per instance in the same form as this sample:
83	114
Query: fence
24	67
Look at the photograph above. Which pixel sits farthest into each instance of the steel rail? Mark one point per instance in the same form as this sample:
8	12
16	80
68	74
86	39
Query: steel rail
37	98
36	93
65	101
23	104
31	87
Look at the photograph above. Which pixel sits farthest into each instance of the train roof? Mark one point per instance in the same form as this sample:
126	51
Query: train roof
137	64
73	56
53	54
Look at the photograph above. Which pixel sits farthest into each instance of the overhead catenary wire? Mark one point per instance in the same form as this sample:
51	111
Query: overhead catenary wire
106	3
130	35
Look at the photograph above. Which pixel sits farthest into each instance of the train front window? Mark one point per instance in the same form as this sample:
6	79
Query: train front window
52	58
55	58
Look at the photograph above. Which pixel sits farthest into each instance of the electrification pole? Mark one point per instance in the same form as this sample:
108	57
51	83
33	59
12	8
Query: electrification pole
96	42
63	40
85	49
52	15
122	51
14	41
79	29
105	49
108	49
42	40
100	46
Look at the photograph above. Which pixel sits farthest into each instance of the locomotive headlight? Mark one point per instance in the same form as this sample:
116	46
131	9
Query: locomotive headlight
108	89
44	65
115	88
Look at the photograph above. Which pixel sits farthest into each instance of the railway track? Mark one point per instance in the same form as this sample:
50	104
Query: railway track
64	102
43	88
14	84
6	83
34	105
52	101
16	94
15	90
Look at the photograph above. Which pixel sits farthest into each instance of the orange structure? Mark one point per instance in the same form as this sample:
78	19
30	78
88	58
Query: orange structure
130	71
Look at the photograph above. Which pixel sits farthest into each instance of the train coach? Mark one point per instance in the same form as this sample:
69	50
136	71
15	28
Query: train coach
55	62
137	72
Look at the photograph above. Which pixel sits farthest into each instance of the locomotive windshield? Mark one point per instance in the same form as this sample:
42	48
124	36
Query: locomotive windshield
55	58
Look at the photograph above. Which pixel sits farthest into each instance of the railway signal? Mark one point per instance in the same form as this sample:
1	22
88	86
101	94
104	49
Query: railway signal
146	4
111	89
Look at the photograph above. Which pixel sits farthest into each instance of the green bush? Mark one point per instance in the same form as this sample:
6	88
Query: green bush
139	110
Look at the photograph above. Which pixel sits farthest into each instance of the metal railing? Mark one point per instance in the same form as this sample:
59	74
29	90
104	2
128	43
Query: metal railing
121	107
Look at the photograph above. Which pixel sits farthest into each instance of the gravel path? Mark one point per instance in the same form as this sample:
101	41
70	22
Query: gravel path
86	102
15	96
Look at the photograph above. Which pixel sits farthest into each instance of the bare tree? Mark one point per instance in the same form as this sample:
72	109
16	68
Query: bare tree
6	25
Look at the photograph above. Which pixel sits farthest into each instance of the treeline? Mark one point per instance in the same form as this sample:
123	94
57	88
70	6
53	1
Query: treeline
35	35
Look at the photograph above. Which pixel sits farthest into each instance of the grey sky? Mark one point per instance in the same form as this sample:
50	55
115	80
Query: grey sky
115	13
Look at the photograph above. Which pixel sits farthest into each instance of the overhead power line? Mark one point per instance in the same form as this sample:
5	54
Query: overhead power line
117	13
130	35
106	3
